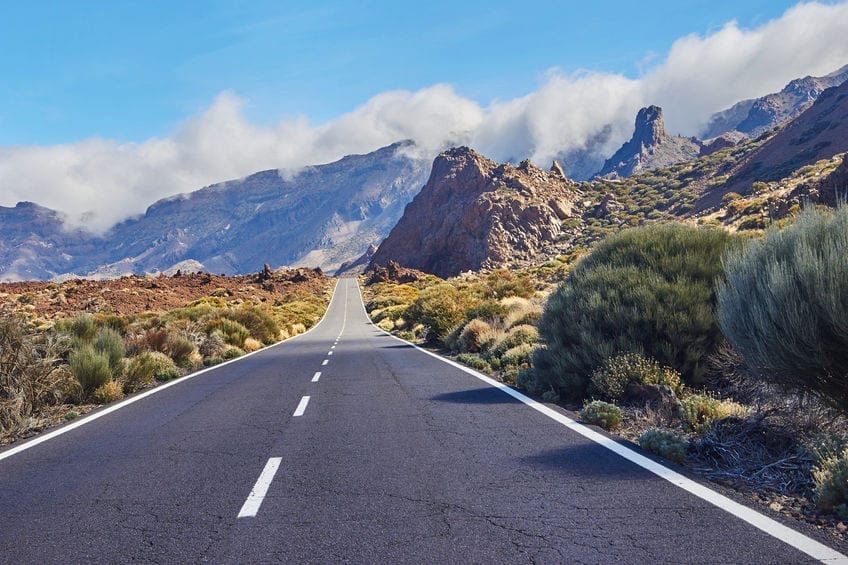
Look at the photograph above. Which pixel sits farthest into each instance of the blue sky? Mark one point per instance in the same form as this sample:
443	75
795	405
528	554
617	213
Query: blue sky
134	70
108	106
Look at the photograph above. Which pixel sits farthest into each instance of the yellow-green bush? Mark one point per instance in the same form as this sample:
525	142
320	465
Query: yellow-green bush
474	361
830	478
90	367
109	391
610	380
165	369
666	444
603	414
517	356
233	332
440	308
141	370
698	410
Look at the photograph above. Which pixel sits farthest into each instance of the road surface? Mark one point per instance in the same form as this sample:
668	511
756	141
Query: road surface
348	445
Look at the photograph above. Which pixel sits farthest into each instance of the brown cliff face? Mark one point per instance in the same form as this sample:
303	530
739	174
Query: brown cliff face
474	213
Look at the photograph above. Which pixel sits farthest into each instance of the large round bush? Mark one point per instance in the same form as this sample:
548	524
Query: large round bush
648	290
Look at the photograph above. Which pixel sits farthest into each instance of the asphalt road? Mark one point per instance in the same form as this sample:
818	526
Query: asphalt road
396	457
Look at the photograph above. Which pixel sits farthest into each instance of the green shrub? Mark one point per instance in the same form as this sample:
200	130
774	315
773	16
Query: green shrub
503	283
830	478
610	380
141	371
473	361
233	332
83	327
526	380
259	323
90	367
518	335
603	414
648	289
784	305
667	445
489	311
440	308
232	353
165	368
110	344
517	356
179	348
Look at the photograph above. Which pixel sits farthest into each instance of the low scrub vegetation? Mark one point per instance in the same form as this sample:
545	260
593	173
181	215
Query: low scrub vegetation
98	358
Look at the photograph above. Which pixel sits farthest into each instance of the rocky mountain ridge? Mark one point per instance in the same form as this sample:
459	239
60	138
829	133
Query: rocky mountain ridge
322	216
755	116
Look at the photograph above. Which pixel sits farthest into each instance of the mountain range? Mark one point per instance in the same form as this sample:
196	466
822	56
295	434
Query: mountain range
322	216
471	212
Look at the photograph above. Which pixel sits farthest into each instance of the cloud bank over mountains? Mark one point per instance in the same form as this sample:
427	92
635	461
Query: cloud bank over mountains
98	182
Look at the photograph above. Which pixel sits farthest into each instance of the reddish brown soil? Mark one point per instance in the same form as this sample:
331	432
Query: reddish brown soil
136	294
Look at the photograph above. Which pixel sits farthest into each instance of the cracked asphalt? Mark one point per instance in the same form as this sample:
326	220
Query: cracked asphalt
398	458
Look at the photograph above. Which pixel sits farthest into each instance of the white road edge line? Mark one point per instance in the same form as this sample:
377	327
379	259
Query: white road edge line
762	522
260	489
301	408
83	420
316	377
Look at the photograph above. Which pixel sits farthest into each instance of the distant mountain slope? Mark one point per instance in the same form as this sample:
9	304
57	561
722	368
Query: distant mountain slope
753	117
322	216
474	213
818	133
649	148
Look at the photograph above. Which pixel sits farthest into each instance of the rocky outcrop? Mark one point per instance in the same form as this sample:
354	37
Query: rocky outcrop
393	273
755	116
649	148
474	213
725	140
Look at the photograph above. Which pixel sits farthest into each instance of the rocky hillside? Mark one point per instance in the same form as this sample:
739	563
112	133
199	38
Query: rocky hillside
474	213
818	133
755	116
321	217
650	147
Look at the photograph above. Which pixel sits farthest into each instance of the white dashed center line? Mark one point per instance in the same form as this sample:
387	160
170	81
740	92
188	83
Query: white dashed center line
301	408
325	362
316	377
257	495
329	353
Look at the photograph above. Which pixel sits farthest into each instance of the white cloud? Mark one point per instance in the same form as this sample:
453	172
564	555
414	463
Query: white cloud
699	75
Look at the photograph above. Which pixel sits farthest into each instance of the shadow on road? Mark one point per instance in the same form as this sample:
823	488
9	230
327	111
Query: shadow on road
476	396
585	458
